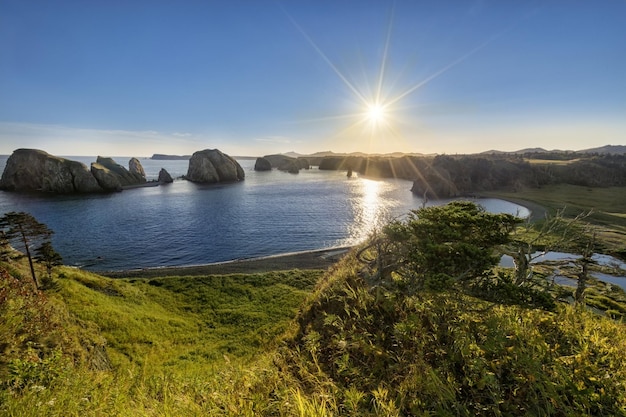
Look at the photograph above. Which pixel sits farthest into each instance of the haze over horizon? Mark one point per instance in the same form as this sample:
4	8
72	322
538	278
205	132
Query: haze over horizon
255	78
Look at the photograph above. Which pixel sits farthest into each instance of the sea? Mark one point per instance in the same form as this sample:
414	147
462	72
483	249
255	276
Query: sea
183	223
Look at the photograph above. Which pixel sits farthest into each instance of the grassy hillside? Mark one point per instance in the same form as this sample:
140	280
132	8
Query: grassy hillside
390	330
170	346
367	351
186	324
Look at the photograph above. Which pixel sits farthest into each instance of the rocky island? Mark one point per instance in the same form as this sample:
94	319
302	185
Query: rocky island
212	166
37	170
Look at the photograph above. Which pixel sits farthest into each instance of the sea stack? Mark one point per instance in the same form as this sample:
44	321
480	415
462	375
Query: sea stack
212	166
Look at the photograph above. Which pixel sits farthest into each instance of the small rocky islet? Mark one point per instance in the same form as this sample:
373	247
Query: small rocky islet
30	170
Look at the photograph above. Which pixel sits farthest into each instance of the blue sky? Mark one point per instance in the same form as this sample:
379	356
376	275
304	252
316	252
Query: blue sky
258	77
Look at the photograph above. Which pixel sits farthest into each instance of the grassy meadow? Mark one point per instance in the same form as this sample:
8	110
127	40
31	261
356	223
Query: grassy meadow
319	342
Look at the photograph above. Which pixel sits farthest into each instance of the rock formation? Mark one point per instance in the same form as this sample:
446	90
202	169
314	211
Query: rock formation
279	161
113	169
292	167
262	164
303	163
165	177
435	184
36	170
105	177
211	166
135	167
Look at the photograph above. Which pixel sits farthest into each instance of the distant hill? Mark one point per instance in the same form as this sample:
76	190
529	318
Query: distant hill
530	150
604	150
293	154
607	150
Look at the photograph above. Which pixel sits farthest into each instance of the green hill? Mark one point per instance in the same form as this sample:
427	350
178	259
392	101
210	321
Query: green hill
402	326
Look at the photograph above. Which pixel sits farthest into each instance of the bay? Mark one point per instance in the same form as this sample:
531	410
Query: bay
184	223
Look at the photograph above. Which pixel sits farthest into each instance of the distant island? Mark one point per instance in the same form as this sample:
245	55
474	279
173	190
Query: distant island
163	157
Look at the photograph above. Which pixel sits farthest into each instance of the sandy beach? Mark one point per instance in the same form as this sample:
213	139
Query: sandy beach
315	259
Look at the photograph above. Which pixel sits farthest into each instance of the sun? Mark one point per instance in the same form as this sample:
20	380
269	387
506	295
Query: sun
375	113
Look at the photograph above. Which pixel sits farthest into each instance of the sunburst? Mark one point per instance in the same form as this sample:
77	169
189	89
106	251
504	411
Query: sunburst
377	109
375	114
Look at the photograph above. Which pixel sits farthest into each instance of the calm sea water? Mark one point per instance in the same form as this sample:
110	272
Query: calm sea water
188	224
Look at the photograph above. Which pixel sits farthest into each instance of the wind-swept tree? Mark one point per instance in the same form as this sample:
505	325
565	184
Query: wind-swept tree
437	246
534	240
46	255
22	231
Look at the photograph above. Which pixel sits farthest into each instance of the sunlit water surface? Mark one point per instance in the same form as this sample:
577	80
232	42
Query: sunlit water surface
187	224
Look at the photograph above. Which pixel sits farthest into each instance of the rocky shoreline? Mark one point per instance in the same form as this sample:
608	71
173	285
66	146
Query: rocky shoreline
314	259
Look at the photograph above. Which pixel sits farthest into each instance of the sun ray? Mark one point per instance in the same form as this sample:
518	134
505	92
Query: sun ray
327	60
383	62
378	99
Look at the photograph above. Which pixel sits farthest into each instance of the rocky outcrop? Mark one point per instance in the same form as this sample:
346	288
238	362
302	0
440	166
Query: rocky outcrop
262	164
105	177
279	161
116	172
165	177
36	170
284	163
292	167
211	166
135	167
303	163
435	184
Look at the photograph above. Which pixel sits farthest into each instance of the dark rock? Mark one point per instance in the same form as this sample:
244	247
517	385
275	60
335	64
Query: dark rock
165	177
435	184
211	166
135	167
292	167
262	164
125	177
281	162
36	170
303	163
107	179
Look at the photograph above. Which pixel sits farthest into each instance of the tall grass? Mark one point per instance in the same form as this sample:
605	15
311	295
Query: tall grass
172	346
229	346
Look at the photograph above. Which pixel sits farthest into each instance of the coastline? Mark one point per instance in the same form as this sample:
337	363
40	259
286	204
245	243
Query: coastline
537	211
313	259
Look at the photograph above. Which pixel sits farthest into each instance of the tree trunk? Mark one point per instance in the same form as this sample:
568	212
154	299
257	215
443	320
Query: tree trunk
30	258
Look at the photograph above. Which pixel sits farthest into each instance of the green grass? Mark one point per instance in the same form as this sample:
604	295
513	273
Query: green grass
169	346
368	352
187	324
551	162
608	206
300	343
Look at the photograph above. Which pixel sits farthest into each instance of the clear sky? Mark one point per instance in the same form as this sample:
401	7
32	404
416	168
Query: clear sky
109	77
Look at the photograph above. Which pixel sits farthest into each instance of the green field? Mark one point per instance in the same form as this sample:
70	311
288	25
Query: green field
607	206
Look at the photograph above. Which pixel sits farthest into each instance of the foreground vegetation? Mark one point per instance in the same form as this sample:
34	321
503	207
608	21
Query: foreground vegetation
418	321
